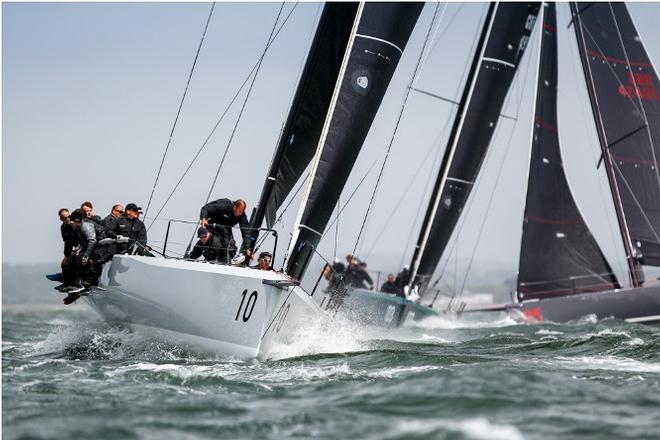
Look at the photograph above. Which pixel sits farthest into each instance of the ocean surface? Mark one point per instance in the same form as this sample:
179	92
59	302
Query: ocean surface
67	375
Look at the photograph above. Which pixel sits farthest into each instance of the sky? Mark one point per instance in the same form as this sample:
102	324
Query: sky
90	92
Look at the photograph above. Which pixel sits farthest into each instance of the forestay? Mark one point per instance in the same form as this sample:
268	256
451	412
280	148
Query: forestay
377	43
302	130
501	46
558	254
623	88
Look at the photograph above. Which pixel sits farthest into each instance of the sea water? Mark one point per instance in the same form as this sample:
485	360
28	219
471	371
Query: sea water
66	374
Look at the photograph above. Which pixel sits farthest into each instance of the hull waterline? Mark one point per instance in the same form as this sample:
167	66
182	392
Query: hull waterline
382	310
641	305
227	310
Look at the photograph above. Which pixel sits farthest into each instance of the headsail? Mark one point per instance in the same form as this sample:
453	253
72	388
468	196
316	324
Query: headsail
501	46
377	43
558	254
302	130
623	88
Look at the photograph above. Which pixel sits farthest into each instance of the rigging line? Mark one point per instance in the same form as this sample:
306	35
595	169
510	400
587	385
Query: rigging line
638	96
609	65
497	179
245	101
217	124
459	228
449	23
452	115
373	164
400	200
396	127
262	238
615	236
336	227
636	200
178	112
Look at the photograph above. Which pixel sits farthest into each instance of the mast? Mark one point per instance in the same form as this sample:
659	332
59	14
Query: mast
299	137
379	36
453	142
633	265
502	43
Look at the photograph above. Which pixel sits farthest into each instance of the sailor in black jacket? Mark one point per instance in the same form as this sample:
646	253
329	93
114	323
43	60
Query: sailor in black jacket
208	246
132	227
220	216
111	222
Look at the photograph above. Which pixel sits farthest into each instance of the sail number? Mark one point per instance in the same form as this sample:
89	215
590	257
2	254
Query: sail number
249	305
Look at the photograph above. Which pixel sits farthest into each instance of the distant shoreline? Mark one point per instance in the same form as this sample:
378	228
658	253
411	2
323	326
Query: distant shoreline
43	307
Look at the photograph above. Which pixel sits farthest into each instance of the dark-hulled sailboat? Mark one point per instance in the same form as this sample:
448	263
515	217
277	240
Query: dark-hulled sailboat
563	274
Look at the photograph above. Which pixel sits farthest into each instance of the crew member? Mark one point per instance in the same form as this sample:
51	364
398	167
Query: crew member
88	209
70	239
390	286
403	278
220	216
360	276
132	227
264	261
80	261
111	221
208	246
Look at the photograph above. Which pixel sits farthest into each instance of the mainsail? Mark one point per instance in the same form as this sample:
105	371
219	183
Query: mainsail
623	89
558	254
302	130
501	46
375	47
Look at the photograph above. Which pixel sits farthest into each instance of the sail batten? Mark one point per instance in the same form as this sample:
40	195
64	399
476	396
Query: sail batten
301	132
558	254
502	43
623	90
375	47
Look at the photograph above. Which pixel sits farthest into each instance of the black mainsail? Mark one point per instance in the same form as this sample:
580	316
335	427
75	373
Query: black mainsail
558	254
501	46
622	85
377	42
302	130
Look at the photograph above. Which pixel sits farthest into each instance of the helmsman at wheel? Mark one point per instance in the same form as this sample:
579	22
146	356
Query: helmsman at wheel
220	216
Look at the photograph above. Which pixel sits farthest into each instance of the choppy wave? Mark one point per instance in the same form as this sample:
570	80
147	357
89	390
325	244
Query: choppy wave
447	378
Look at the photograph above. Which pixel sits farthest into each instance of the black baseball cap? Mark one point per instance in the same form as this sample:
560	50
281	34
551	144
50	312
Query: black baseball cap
133	207
77	215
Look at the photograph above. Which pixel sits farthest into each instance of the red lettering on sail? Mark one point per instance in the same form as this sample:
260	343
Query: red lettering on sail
640	85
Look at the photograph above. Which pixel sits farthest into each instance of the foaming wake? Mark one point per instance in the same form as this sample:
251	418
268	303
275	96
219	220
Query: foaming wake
453	321
476	428
610	363
324	336
97	340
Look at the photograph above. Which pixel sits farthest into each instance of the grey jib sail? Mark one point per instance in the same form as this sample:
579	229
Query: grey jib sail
302	130
502	43
623	88
558	254
381	36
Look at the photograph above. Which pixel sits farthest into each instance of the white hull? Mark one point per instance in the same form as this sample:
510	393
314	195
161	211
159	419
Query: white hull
223	309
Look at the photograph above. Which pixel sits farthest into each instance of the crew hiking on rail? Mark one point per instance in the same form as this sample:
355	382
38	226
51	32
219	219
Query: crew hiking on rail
90	241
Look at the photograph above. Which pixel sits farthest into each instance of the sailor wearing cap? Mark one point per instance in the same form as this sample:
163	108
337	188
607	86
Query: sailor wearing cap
131	226
209	246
